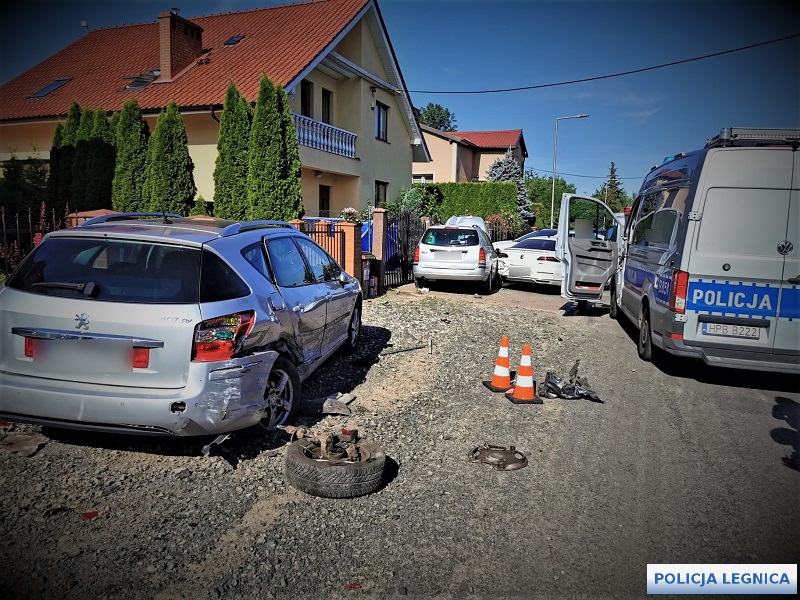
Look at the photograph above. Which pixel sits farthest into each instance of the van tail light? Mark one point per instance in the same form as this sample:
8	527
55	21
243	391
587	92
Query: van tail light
416	255
548	258
677	294
482	258
218	339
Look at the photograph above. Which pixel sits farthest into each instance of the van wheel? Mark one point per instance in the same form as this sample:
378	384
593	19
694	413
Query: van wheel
282	395
645	344
612	305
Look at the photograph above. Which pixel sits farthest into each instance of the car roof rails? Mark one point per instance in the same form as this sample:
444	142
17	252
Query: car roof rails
250	226
127	217
750	136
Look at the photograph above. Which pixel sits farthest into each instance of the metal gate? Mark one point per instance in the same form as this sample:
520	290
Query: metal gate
403	235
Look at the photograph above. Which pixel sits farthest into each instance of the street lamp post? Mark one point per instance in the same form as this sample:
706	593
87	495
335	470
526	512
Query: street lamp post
555	149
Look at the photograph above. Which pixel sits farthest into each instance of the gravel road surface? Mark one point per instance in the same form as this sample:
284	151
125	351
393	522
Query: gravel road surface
680	464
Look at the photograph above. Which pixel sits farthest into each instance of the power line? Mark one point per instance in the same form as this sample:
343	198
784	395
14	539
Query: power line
546	85
550	172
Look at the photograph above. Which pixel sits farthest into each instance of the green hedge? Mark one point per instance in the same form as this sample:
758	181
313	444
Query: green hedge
478	199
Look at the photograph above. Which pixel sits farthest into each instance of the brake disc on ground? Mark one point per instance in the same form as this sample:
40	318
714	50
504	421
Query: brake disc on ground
500	458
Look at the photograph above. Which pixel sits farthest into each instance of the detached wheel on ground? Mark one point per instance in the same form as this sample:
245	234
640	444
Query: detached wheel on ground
282	394
309	471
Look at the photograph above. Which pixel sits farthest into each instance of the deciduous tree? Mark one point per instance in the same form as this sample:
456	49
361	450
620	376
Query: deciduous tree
539	191
438	117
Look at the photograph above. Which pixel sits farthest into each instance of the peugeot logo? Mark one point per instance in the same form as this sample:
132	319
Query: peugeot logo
83	321
785	247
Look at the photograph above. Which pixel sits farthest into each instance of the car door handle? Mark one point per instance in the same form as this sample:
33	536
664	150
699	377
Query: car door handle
794	280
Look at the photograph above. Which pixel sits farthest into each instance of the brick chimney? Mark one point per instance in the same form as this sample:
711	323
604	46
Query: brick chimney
180	42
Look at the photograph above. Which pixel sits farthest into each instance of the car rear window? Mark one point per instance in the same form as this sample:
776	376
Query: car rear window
125	271
451	237
535	244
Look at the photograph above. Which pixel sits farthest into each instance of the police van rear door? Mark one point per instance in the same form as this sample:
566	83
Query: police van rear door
589	259
735	266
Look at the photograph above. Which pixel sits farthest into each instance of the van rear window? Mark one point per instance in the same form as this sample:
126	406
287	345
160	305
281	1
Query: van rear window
451	237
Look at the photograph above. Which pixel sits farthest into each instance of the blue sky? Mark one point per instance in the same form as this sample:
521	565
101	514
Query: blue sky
462	45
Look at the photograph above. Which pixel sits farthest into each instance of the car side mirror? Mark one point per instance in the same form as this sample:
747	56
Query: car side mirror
344	278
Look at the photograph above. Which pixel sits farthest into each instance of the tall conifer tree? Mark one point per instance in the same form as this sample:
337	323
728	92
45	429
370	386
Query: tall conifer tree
230	172
289	188
80	160
69	137
170	184
55	167
129	172
101	163
264	164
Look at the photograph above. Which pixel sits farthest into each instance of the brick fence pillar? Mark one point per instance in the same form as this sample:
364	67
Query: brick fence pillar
297	224
352	248
380	232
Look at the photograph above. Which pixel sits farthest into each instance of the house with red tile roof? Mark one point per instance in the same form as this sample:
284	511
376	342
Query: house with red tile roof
465	155
356	127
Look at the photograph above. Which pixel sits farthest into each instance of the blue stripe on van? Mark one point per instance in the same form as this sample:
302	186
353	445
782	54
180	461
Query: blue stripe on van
741	299
790	303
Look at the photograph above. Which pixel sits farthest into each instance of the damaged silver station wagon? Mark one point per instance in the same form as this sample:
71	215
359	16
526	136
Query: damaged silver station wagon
137	323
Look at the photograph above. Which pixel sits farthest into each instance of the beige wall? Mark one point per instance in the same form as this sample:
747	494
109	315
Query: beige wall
441	165
26	140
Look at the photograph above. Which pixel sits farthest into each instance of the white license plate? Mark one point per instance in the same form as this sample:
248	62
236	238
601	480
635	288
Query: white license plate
735	331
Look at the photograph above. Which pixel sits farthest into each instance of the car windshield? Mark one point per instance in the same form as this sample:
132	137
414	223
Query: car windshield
111	270
450	236
535	244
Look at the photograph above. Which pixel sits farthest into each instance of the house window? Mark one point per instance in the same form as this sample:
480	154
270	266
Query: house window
381	113
324	201
327	106
233	40
422	178
50	88
380	193
307	99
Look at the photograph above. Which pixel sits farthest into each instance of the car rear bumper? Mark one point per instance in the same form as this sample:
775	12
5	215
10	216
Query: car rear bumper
478	274
219	397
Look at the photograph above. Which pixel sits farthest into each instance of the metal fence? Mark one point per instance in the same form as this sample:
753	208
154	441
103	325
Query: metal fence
403	235
328	236
21	232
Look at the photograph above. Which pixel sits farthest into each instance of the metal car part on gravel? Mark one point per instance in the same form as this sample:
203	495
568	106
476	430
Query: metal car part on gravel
500	458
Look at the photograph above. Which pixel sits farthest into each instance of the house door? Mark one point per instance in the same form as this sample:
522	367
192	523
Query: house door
324	201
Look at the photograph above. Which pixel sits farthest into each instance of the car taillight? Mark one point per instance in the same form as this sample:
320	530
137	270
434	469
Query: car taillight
416	255
482	258
141	358
548	258
677	294
216	339
29	347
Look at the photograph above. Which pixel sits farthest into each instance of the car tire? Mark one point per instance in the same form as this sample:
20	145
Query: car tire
353	331
308	472
613	309
644	345
282	405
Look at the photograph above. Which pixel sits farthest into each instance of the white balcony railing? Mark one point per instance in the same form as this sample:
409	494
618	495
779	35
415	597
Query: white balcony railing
319	135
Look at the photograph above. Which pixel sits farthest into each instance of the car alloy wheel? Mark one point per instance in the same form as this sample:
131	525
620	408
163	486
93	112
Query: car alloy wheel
282	395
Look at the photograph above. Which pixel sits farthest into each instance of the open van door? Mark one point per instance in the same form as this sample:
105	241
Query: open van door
589	258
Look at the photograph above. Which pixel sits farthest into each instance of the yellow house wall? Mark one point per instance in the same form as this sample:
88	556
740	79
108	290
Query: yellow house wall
26	140
441	165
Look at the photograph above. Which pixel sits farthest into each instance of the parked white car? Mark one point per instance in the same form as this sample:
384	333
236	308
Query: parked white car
532	260
533	234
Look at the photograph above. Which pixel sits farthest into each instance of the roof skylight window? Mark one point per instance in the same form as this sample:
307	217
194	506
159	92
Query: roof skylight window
233	40
139	82
50	88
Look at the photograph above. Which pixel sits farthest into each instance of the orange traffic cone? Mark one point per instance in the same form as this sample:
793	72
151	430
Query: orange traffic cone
524	390
501	378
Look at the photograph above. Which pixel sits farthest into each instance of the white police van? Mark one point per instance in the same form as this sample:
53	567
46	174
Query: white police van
708	264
